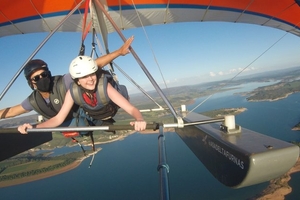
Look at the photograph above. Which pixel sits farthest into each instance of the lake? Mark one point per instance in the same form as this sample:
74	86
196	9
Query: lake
127	169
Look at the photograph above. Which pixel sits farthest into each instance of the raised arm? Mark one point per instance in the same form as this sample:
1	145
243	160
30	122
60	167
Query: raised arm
122	51
57	119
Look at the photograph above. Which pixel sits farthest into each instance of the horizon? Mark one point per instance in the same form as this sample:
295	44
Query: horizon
138	95
174	58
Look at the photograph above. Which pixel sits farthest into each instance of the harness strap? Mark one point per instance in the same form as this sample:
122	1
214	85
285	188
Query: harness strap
94	44
72	135
101	89
92	139
4	113
84	29
79	145
76	95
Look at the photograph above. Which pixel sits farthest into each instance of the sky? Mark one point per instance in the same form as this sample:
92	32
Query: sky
175	54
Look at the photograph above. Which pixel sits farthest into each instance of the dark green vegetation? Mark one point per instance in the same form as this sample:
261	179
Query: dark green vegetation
99	137
288	83
274	92
223	112
28	165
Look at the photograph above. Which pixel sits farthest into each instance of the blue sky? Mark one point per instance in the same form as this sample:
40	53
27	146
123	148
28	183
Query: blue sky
184	53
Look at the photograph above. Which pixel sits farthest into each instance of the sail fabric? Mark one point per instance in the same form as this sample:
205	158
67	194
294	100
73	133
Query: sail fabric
31	16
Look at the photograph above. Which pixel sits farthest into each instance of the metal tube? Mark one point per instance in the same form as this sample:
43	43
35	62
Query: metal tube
37	49
139	61
153	126
150	125
163	167
208	121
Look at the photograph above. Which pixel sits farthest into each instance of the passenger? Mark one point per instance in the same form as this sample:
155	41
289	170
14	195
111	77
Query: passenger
49	91
93	91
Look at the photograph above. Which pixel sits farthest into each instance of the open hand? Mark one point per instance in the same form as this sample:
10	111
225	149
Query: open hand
125	49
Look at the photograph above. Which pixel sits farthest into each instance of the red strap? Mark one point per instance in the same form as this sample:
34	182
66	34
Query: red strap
86	31
70	134
86	10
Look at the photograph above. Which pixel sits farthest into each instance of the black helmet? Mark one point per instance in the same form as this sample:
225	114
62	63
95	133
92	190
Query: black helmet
34	65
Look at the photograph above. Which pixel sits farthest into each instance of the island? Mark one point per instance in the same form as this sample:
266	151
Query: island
296	127
273	92
39	167
223	111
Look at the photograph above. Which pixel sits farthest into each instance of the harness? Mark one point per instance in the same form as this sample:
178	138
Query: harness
105	108
56	99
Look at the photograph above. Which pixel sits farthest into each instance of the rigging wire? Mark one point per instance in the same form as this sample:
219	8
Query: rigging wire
42	18
151	48
85	27
101	49
122	71
230	80
143	67
38	48
258	56
199	104
139	87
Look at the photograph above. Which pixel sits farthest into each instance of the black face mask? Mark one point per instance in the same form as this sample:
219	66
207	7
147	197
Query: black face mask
44	84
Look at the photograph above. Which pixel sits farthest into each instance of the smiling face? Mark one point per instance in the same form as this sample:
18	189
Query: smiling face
88	81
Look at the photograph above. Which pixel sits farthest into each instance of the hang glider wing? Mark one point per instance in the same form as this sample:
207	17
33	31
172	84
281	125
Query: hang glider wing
14	143
31	16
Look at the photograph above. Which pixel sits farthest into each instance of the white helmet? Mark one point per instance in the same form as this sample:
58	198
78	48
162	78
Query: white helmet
82	66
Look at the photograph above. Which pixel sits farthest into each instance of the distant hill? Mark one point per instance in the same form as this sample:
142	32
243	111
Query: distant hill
286	74
13	122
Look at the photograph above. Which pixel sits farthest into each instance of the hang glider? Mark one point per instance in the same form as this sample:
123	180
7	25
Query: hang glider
254	157
31	16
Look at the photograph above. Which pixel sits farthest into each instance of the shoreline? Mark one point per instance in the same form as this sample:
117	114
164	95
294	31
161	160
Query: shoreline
276	190
279	98
279	188
67	168
71	166
42	175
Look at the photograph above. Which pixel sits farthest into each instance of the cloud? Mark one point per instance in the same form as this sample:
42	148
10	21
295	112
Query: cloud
212	74
232	71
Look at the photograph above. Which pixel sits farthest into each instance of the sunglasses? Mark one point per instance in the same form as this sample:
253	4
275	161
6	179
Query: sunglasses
41	75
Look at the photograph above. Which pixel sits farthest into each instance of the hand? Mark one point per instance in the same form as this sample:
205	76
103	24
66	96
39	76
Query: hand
23	128
139	125
125	49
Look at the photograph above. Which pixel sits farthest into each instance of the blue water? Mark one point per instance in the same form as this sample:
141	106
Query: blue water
127	169
294	183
